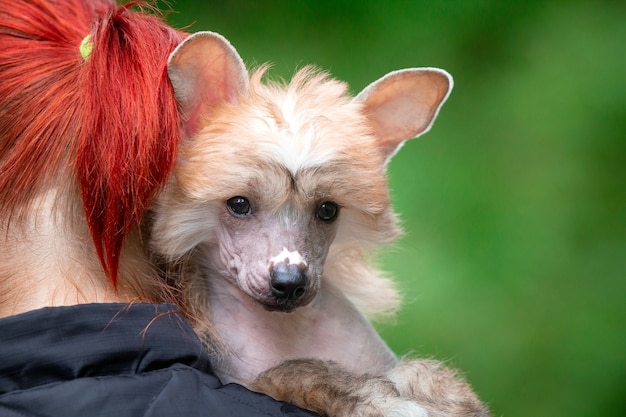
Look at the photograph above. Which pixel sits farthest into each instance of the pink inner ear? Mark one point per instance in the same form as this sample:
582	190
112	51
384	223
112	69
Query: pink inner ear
205	70
393	123
403	105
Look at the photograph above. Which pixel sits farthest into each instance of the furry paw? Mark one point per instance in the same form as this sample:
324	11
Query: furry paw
438	389
378	397
390	407
329	390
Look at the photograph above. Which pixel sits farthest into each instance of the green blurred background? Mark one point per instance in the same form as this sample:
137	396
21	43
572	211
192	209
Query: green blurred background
513	263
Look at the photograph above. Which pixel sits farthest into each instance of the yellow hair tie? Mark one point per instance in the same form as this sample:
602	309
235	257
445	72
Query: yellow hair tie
85	47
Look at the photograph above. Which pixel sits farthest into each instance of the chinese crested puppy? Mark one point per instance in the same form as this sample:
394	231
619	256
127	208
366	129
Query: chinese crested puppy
277	201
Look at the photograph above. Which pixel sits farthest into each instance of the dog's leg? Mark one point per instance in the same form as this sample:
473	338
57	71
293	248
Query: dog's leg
329	390
439	389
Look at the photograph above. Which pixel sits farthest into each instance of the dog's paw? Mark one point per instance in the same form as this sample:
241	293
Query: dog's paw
439	389
406	409
391	407
330	391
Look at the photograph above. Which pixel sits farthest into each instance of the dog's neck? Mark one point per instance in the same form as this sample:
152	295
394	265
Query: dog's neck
47	259
330	327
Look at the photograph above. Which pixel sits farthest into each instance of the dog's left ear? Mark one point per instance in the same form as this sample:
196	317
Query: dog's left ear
404	104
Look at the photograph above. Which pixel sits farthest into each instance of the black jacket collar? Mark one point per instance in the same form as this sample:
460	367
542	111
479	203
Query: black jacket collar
63	343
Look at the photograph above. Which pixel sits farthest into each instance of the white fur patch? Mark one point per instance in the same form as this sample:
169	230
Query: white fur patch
297	146
287	256
404	409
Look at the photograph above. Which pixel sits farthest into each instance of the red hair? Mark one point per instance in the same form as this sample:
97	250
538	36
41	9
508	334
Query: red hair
110	120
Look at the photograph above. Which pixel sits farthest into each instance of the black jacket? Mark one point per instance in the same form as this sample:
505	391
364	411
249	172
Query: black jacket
116	360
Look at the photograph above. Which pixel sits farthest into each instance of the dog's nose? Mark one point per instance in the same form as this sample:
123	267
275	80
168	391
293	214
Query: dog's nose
288	281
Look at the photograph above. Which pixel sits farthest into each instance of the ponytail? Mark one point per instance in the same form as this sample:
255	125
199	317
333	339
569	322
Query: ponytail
129	129
85	97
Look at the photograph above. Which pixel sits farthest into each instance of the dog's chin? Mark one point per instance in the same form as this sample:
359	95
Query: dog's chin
285	306
280	308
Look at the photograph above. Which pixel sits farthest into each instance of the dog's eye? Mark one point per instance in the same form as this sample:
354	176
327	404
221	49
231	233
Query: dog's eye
327	211
238	206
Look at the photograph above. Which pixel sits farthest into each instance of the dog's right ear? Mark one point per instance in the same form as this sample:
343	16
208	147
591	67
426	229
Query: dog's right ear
205	70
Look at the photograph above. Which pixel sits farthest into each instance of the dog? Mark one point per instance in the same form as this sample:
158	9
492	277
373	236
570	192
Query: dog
277	202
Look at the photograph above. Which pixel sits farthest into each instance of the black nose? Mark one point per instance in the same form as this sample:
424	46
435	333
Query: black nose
288	281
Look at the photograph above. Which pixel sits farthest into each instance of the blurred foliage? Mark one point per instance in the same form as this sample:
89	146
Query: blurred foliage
513	263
